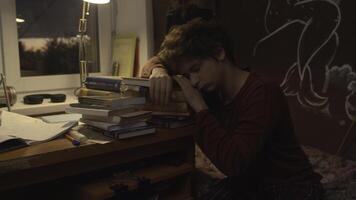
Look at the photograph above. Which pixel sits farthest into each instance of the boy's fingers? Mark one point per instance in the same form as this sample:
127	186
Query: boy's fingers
156	92
177	80
184	79
152	89
168	91
162	93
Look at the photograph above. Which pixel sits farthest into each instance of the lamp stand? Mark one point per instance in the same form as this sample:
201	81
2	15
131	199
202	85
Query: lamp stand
83	21
7	97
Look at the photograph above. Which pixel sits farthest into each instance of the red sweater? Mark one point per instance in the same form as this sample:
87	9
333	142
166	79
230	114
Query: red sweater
252	139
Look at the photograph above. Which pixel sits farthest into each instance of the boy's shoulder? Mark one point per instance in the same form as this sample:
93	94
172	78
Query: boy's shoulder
259	88
256	82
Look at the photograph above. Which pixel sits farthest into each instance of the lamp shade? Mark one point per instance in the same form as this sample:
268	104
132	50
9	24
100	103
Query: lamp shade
98	1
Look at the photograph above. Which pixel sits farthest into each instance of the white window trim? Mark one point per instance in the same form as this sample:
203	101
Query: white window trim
10	52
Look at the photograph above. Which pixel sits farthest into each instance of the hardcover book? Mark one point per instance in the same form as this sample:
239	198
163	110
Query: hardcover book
99	111
106	83
112	101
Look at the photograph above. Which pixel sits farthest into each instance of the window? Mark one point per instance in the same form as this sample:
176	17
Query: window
39	45
47	32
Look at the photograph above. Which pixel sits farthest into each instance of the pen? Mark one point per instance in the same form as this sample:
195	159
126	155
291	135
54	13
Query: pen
77	136
74	141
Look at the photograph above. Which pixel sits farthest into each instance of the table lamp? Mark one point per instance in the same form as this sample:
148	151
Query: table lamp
83	38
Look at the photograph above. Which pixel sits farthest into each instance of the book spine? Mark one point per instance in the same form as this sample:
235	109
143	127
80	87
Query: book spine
83	111
130	133
136	82
103	84
112	135
172	114
172	107
109	119
93	92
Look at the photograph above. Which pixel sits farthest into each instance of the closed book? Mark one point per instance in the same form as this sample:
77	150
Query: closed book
144	82
113	127
120	118
112	101
104	78
171	123
93	92
171	107
171	114
130	133
107	83
99	111
110	119
142	91
103	86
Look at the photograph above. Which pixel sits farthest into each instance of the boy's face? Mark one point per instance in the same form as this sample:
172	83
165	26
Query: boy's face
204	74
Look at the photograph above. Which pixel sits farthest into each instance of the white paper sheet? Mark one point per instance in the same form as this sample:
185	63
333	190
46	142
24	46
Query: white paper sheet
32	129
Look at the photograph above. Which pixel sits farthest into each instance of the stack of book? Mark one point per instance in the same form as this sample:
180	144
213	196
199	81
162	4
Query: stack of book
175	114
117	115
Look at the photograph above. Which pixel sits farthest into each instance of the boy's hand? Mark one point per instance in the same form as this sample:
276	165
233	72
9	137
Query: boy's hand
193	96
160	86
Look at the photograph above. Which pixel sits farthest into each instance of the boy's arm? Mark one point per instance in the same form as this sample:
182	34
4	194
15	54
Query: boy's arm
160	81
151	64
233	152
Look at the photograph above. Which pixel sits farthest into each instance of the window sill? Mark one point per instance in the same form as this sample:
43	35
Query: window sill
46	107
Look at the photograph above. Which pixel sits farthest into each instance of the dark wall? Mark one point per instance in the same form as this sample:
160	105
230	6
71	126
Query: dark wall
160	9
309	49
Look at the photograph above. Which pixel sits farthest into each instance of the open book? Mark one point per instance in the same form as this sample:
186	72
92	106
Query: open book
18	130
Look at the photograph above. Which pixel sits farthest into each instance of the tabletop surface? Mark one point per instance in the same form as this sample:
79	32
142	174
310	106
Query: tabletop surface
62	149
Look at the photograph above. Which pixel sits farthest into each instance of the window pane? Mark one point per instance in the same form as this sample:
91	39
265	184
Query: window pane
47	31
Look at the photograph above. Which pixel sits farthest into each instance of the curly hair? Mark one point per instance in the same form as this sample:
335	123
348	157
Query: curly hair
197	39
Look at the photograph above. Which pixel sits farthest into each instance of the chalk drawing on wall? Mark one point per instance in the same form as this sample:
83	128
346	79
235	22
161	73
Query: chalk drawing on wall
339	85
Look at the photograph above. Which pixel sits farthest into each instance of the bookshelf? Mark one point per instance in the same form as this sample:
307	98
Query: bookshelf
98	189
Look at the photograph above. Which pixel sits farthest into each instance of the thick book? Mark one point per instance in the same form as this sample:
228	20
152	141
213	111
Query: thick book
170	107
110	119
99	111
131	133
104	122
113	127
112	101
61	118
106	83
171	123
171	114
143	82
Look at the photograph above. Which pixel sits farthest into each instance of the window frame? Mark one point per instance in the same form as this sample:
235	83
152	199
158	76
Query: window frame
9	52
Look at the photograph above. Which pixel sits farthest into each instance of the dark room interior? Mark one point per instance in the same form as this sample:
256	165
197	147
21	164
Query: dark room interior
178	99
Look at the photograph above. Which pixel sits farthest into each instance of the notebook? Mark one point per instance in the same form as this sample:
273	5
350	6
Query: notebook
18	130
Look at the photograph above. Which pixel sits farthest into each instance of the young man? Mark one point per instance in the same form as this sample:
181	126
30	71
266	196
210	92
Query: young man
244	123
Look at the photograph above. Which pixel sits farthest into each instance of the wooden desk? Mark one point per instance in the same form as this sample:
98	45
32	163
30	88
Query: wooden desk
59	158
